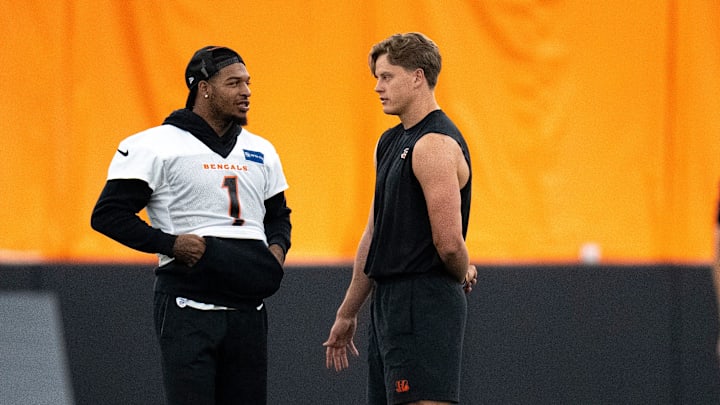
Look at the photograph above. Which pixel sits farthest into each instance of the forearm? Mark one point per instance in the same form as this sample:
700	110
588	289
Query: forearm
134	233
356	295
360	284
456	261
115	216
277	224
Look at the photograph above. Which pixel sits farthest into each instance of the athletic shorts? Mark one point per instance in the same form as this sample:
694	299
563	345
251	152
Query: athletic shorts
416	337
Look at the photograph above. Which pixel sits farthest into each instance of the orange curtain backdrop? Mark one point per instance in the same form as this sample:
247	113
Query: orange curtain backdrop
588	121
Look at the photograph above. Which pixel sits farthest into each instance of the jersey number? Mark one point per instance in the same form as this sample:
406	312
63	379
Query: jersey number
231	183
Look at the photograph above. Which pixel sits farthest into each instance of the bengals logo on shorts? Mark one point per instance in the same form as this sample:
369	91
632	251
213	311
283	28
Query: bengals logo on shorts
402	386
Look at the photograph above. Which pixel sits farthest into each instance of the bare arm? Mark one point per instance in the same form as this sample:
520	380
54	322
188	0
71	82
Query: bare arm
441	169
360	284
343	330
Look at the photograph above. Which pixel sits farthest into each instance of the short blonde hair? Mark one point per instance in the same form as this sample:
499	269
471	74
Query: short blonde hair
411	51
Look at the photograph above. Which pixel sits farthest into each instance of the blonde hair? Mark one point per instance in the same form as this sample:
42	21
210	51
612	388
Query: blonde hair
411	51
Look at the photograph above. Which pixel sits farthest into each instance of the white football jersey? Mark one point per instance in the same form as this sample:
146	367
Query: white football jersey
195	190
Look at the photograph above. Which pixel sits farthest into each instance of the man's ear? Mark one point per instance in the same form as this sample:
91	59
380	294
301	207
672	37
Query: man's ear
203	88
419	76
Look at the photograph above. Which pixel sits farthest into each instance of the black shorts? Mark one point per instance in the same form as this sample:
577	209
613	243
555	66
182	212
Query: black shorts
416	337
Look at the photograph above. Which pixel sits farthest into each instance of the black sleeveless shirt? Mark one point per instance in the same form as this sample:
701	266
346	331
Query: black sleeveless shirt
402	239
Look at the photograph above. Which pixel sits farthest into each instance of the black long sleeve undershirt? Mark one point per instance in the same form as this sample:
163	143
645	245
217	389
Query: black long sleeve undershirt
115	216
277	221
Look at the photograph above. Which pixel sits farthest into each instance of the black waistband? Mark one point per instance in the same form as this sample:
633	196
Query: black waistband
412	276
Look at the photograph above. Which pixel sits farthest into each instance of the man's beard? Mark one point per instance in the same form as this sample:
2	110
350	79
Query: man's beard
218	111
242	121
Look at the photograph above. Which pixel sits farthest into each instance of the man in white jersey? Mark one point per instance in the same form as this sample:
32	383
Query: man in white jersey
214	194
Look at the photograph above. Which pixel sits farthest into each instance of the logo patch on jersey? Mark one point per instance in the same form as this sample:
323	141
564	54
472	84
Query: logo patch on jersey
254	156
404	153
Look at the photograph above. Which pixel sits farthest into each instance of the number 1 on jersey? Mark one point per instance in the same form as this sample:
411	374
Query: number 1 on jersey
231	183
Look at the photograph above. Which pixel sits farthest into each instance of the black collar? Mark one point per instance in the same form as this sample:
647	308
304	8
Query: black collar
189	121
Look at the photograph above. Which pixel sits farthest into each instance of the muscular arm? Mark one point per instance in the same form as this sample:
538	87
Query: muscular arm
343	330
360	284
441	169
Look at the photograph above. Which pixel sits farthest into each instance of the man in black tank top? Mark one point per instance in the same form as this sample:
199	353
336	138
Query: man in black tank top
412	255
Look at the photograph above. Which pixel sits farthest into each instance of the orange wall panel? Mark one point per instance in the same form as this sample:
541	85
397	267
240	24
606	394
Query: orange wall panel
587	121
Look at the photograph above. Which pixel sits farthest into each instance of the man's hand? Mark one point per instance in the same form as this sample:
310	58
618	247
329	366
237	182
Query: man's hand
339	342
470	278
189	248
278	252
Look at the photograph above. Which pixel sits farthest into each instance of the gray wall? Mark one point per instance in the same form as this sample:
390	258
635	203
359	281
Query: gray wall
536	334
